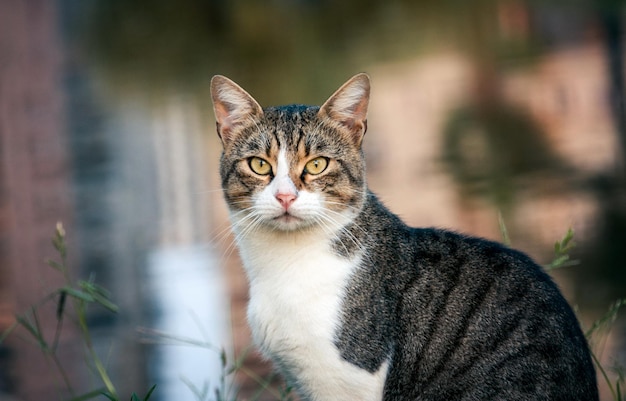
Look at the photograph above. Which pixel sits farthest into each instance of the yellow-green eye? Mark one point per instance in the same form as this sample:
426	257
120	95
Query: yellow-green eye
316	166
260	166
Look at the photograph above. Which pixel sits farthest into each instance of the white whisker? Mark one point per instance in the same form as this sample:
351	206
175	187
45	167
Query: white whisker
208	191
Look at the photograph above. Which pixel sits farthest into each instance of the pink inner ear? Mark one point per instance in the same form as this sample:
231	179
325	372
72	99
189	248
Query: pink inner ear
349	117
357	129
359	114
353	119
224	119
233	106
348	106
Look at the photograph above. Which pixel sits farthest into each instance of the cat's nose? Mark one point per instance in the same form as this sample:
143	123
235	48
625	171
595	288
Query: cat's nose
285	199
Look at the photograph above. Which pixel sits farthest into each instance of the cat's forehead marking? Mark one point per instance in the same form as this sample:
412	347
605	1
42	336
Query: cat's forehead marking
289	123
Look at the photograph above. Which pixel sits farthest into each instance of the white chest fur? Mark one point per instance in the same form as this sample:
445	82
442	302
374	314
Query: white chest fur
296	286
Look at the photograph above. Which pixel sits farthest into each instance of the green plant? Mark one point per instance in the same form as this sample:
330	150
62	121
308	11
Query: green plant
562	250
597	336
81	294
231	367
133	397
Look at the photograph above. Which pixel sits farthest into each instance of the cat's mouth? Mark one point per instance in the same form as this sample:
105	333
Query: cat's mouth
288	222
287	218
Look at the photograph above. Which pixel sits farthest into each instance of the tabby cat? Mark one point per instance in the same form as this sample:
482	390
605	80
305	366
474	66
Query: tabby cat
352	304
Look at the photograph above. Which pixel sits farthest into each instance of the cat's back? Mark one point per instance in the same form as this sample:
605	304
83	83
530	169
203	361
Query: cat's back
479	320
466	318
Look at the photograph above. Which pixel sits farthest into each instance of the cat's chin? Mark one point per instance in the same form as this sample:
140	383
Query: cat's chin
289	222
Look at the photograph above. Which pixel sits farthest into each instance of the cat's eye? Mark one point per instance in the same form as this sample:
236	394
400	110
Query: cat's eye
316	166
260	166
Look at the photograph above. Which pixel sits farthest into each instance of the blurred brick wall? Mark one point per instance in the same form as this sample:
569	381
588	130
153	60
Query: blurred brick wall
34	187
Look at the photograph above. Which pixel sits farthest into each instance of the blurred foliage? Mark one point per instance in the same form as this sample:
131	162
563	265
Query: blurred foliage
489	151
293	45
296	46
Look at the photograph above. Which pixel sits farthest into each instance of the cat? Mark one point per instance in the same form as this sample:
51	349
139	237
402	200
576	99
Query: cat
352	304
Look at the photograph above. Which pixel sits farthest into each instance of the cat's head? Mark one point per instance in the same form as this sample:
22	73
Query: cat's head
292	167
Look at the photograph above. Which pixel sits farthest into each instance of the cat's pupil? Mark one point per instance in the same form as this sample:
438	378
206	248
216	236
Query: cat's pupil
259	166
316	166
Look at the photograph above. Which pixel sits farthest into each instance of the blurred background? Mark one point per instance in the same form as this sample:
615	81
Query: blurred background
481	109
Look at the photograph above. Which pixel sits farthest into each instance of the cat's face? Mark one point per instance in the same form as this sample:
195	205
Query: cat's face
292	167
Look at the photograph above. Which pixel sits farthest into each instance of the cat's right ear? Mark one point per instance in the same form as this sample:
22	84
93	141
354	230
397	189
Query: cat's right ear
348	107
234	107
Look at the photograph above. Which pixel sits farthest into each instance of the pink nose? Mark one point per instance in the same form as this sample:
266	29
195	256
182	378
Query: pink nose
285	199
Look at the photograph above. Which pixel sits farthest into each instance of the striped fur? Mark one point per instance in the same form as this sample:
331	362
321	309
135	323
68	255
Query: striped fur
352	304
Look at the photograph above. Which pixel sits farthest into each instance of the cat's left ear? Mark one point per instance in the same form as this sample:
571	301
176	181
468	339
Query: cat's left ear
348	106
234	107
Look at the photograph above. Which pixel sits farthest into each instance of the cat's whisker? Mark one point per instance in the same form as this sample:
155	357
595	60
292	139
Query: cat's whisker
353	223
219	236
343	205
241	201
322	223
241	223
228	251
208	191
253	220
343	229
226	233
355	240
223	233
250	229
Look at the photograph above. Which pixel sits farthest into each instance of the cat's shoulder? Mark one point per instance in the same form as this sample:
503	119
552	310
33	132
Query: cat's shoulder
438	243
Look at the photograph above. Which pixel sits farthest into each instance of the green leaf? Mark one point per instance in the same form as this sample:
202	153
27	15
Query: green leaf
568	237
32	329
150	392
561	255
98	289
27	325
77	294
86	286
57	242
55	265
97	294
608	318
105	302
110	396
90	395
559	261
